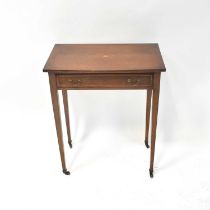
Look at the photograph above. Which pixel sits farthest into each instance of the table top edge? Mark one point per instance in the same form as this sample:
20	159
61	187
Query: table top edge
138	71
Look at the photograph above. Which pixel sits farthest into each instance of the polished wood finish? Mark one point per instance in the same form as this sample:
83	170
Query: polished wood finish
56	110
148	108
105	66
66	111
105	58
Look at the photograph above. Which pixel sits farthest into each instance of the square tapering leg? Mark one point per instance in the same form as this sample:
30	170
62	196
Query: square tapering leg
155	100
66	111
148	110
56	110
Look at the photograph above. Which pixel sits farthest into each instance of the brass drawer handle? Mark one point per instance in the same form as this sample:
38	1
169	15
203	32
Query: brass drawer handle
134	81
75	82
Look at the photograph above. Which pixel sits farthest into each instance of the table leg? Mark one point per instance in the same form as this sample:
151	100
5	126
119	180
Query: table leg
66	110
56	110
148	108
156	90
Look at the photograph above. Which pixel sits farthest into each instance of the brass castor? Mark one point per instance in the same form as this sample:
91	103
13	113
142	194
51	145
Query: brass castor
151	173
66	172
146	144
70	143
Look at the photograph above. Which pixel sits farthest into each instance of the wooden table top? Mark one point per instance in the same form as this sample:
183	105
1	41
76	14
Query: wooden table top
105	58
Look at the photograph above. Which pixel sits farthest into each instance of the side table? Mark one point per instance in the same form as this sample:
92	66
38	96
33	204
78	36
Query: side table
105	66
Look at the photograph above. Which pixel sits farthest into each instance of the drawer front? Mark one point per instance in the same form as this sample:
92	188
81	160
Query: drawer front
106	81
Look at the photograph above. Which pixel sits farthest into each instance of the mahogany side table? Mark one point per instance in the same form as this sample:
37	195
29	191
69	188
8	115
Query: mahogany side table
105	66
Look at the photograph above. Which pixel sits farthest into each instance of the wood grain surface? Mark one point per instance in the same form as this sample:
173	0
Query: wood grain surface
105	58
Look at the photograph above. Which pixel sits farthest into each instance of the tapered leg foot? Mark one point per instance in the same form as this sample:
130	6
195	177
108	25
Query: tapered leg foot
151	173
66	172
70	143
146	144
